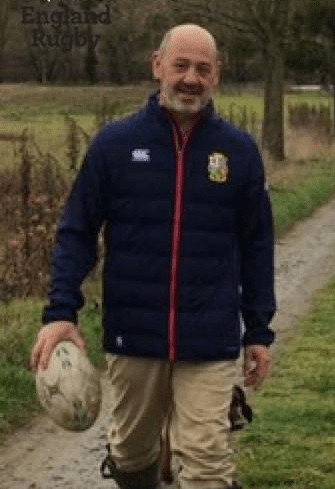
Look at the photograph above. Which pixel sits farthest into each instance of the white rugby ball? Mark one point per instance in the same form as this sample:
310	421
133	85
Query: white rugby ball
70	389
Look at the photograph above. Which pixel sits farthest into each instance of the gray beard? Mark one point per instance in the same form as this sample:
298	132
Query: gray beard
172	102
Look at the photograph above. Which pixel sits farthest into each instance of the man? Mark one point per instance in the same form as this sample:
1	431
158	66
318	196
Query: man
189	250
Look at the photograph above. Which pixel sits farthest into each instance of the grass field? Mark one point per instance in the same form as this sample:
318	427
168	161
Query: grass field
42	109
292	442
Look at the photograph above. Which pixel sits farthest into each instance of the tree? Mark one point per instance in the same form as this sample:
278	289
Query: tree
62	37
315	46
5	7
91	59
130	41
242	55
267	23
44	59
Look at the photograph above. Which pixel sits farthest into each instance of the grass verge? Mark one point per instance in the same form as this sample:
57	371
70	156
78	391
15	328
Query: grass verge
18	323
298	189
292	442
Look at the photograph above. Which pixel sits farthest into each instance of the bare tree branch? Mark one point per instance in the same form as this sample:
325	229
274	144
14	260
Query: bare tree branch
250	5
219	17
223	16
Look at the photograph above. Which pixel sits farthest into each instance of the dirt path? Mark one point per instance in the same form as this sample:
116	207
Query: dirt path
45	457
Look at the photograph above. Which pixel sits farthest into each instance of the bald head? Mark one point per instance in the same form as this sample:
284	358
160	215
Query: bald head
187	68
181	32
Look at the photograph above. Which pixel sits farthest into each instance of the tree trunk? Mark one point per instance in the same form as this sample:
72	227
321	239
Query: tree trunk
273	126
4	21
43	71
1	67
90	58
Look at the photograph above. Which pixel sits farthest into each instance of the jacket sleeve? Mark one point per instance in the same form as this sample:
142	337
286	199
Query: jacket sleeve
257	256
75	249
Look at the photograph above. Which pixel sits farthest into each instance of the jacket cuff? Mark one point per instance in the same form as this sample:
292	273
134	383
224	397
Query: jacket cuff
259	337
257	331
60	313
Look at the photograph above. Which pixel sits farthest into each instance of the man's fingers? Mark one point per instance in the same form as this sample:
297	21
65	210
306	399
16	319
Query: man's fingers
36	354
49	337
256	365
42	352
45	355
79	342
256	377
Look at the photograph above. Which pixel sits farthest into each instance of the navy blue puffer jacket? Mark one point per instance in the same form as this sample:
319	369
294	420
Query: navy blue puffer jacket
188	272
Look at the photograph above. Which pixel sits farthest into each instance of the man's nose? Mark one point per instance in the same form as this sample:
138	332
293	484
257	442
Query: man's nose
191	75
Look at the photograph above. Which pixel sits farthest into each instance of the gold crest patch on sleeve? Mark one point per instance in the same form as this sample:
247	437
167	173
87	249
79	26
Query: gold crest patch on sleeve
218	167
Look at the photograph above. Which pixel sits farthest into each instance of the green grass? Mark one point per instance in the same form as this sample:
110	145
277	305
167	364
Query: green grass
312	185
41	110
254	102
19	326
242	108
49	132
292	442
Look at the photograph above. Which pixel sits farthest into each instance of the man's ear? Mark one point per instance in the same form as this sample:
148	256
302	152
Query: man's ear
156	65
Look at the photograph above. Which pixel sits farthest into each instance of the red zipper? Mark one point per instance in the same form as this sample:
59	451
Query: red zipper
176	240
175	262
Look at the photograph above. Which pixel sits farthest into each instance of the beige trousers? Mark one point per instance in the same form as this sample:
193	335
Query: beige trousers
199	395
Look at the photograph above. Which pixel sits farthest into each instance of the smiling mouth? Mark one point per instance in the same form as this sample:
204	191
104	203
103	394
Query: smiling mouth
188	95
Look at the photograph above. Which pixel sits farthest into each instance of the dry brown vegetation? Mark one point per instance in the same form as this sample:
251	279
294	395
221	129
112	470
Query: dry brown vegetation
32	198
310	131
309	144
35	184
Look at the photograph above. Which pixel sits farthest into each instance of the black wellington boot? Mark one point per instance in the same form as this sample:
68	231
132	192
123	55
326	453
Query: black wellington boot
147	478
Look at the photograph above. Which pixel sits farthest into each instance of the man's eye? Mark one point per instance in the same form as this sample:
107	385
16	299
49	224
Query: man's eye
204	70
180	66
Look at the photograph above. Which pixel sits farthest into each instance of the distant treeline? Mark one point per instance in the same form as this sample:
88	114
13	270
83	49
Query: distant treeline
78	40
111	40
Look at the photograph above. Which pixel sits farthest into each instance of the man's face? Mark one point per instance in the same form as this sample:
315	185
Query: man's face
188	71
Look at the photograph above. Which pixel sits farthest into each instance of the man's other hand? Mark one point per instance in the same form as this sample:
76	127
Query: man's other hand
256	365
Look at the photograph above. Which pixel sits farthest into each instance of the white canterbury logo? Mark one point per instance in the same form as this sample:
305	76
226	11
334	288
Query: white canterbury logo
140	155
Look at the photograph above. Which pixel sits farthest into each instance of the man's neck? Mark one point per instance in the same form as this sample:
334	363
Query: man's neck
184	122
